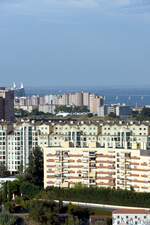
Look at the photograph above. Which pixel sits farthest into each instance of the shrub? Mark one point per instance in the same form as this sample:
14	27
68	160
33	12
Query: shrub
7	219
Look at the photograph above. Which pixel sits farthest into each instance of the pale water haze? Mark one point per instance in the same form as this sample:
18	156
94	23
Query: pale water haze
75	42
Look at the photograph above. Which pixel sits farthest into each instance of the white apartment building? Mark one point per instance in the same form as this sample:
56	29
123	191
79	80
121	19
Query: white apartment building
131	217
128	135
104	135
16	143
106	154
78	134
18	140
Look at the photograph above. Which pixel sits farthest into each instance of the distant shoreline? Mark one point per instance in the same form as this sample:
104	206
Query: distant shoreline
135	97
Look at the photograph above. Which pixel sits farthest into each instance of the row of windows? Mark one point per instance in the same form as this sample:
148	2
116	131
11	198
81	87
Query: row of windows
131	128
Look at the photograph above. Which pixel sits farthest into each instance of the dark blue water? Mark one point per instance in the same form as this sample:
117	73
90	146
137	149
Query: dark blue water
133	100
130	96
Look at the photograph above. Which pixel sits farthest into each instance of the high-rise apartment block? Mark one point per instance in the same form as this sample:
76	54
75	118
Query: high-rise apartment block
95	104
94	154
114	168
49	103
17	142
6	105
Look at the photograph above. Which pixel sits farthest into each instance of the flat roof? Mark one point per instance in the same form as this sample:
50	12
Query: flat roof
131	211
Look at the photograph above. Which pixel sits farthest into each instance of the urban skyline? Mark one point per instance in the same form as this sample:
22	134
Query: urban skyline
75	112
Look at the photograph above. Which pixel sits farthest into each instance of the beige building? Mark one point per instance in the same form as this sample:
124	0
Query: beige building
115	168
95	104
86	96
45	103
113	155
76	99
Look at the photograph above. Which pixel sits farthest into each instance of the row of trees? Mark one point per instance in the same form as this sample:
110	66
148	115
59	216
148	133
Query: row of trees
99	195
71	109
50	213
19	113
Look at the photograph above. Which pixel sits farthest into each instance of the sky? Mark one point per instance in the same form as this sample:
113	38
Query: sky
75	42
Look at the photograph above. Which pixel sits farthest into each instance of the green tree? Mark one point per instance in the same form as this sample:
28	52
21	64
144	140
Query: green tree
99	195
20	170
10	188
7	219
4	192
80	215
44	213
34	172
71	109
29	190
3	171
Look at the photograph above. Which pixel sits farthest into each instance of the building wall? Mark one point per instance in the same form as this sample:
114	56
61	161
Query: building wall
116	168
113	155
103	135
16	145
1	108
49	102
6	105
134	219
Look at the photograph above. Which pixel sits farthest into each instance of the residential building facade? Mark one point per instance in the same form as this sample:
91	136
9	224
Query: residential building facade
104	155
90	166
17	142
48	103
131	217
94	153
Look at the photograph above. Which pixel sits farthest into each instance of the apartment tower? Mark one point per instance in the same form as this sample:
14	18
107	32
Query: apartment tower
6	105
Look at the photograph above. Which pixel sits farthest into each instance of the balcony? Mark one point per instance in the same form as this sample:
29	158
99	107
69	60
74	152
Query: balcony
85	160
92	154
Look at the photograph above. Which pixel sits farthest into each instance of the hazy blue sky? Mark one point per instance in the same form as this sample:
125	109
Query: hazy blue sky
75	42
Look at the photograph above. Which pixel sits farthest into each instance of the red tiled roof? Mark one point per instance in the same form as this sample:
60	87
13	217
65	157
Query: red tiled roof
131	211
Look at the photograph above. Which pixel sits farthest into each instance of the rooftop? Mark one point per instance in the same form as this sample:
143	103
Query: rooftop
131	211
